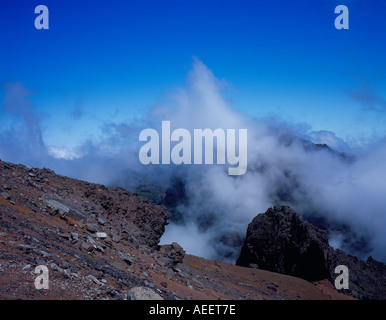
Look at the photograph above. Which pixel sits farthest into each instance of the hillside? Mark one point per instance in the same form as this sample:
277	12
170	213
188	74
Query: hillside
102	243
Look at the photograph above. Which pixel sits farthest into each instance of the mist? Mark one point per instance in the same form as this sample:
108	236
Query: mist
317	173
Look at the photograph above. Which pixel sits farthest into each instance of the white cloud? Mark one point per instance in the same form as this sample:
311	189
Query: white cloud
280	168
64	153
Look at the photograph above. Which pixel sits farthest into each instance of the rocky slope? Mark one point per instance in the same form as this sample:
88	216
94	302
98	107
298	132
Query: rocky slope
102	243
280	240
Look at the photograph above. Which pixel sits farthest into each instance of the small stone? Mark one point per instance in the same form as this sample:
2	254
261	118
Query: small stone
151	284
92	227
118	265
27	267
95	280
87	246
189	285
116	294
272	288
116	238
89	239
75	236
101	221
101	235
126	257
108	240
55	267
197	283
6	195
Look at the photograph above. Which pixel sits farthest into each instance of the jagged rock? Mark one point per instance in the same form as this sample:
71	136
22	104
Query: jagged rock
66	235
87	246
75	236
151	220
63	208
280	240
55	267
126	257
174	252
92	227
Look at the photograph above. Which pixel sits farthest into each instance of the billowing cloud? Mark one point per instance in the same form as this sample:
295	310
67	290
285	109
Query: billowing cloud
325	137
23	138
282	169
64	153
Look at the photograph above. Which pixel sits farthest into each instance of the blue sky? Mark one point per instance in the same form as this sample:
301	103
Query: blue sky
109	61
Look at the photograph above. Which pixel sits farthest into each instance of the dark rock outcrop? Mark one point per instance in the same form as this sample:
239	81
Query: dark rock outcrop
174	252
280	240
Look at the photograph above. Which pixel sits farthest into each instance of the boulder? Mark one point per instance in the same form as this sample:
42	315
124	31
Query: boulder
174	252
280	240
